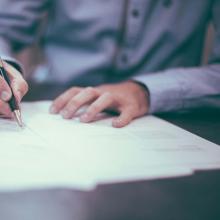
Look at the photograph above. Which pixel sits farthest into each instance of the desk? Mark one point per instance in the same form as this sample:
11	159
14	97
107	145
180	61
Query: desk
202	122
195	197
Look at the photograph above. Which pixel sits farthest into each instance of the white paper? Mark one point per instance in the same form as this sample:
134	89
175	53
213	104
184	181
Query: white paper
53	152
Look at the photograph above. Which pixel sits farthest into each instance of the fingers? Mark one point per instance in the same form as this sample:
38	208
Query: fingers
18	84
124	119
5	110
121	98
5	91
82	98
60	102
103	102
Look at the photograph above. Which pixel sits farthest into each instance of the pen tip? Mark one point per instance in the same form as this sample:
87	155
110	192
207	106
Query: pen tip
17	116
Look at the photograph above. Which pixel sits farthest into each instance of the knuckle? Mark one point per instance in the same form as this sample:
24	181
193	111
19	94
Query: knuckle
68	107
73	90
108	95
59	99
25	86
68	92
74	102
94	108
90	90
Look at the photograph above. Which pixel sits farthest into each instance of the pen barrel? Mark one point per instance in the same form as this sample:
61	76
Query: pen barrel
13	104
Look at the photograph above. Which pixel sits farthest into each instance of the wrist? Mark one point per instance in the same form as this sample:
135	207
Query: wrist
143	88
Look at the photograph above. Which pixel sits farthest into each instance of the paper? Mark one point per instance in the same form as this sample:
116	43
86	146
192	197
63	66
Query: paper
53	152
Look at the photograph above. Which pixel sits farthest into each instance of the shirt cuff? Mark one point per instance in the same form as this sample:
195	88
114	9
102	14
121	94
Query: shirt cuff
165	92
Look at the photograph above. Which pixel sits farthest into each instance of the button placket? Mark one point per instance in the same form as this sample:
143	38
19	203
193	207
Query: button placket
134	21
133	27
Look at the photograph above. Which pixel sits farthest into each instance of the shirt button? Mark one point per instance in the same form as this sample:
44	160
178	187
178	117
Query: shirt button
167	3
135	13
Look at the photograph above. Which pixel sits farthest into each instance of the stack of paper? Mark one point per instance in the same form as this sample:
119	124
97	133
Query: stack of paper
53	152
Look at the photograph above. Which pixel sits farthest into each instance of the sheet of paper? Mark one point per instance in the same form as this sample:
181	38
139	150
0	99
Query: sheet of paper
27	160
53	152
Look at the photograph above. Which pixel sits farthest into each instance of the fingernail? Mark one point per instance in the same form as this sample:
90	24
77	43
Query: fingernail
65	114
5	96
116	123
84	118
53	110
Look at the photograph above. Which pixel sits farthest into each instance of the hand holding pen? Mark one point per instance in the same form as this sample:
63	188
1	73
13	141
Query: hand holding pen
12	88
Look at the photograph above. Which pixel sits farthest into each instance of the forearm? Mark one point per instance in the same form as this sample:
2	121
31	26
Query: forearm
182	88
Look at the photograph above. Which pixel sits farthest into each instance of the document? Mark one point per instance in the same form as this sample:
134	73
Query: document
53	152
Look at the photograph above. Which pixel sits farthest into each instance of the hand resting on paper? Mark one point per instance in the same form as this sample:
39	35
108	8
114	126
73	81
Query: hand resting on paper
128	99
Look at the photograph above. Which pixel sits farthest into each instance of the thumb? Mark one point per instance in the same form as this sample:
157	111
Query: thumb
123	119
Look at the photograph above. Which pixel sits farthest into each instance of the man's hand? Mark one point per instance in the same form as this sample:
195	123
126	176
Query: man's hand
129	99
18	85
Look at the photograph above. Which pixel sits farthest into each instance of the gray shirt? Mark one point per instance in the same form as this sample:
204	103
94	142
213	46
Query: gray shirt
89	42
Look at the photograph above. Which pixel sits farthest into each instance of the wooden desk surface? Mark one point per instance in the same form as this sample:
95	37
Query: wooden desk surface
203	122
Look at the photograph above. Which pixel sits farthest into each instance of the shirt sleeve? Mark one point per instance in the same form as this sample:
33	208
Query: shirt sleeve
19	23
181	88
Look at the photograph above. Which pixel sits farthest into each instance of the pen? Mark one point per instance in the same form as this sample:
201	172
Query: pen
12	102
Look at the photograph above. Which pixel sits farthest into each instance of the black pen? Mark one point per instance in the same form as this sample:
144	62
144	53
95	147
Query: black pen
12	102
